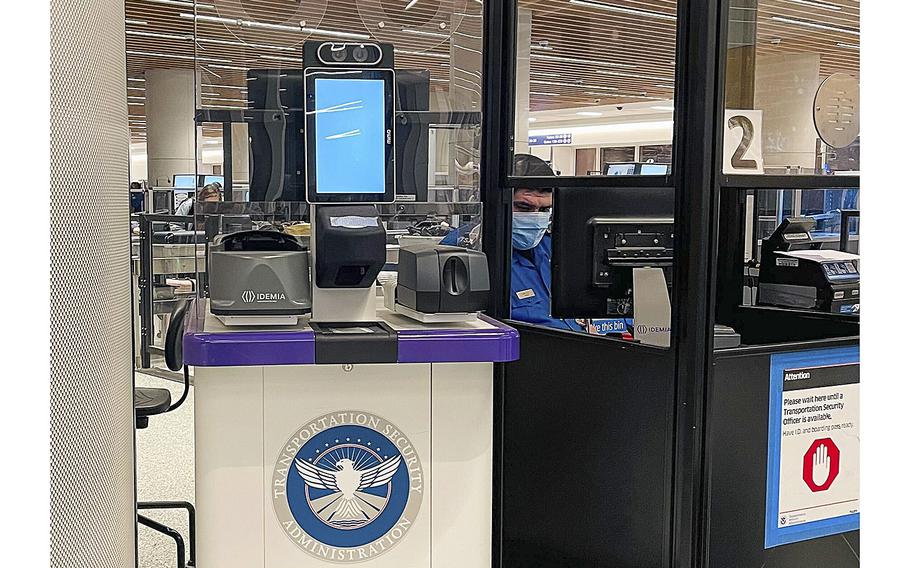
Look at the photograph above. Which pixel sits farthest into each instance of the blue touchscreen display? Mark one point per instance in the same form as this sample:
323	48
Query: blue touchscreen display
350	136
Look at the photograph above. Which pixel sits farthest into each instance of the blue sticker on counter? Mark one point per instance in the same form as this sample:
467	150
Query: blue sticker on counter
813	445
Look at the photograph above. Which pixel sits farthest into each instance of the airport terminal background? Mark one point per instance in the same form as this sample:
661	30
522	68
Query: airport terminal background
216	94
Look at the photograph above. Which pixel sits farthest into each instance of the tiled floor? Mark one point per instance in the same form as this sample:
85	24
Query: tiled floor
164	471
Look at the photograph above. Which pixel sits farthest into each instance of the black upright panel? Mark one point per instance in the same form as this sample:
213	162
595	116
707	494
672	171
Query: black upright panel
586	453
277	167
412	137
737	449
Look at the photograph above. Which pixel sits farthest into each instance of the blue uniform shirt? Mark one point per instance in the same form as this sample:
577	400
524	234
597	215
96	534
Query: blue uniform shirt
530	293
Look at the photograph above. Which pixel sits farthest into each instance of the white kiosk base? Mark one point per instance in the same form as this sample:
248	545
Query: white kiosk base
306	465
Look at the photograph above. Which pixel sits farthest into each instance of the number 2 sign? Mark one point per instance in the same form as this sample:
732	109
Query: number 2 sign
742	142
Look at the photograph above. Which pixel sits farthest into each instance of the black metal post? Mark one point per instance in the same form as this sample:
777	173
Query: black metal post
699	103
496	157
167	531
227	161
146	285
191	518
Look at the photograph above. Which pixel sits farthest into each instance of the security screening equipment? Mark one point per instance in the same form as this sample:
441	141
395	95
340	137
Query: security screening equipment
796	272
349	98
259	278
315	442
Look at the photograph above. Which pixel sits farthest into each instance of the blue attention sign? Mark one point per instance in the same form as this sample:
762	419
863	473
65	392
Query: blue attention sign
550	139
813	445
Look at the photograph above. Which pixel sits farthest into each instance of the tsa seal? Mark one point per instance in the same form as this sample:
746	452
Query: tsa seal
347	486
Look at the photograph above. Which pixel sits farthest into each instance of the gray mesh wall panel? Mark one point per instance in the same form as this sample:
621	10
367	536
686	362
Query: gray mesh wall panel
92	517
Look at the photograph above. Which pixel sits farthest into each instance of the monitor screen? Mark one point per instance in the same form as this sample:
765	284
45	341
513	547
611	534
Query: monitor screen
350	136
654	169
185	181
621	169
212	179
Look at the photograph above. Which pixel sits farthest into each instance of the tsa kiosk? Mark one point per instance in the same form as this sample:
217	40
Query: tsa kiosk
333	429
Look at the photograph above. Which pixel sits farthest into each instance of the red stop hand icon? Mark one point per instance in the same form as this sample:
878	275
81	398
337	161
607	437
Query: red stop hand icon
821	464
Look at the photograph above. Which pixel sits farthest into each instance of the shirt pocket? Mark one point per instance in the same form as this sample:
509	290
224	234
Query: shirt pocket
533	309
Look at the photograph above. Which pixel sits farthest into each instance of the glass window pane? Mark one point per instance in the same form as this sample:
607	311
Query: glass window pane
595	75
792	95
234	53
820	213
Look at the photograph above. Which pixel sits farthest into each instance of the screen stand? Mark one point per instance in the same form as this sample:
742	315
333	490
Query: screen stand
338	304
344	304
651	301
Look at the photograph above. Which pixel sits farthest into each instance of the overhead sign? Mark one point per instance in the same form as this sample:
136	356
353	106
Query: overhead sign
743	142
813	445
550	139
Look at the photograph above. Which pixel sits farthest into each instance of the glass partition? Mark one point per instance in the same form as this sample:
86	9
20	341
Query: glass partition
249	67
792	232
792	87
594	85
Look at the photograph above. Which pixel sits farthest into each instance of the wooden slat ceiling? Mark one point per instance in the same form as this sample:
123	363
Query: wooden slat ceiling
618	51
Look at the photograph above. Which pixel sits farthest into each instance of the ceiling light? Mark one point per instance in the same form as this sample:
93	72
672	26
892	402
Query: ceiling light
183	4
814	25
135	79
415	31
541	46
231	67
422	53
617	127
282	58
589	113
578	85
410	4
211	86
623	10
173	56
663	108
665	86
532	119
847	45
135	98
130	22
268	26
244	44
157	34
210	105
219	99
543	94
816	4
561	59
630	75
545	74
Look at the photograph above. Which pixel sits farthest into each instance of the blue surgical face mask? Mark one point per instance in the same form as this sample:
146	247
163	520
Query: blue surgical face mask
528	228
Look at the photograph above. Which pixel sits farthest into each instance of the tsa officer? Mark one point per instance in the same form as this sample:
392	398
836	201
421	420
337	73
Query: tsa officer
531	249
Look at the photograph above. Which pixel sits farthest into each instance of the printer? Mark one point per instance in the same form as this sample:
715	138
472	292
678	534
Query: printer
259	277
797	272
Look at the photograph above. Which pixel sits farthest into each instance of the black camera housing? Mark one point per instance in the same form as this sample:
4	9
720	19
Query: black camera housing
348	55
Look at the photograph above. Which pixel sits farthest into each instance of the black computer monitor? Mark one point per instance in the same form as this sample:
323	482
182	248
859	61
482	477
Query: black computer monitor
185	181
654	169
599	235
620	169
212	179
